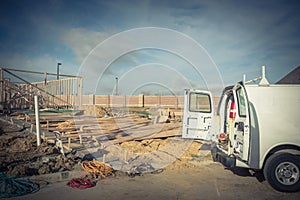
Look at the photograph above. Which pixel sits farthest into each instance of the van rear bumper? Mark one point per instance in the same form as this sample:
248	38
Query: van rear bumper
219	156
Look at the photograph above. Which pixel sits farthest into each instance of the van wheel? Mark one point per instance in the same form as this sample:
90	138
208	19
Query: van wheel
282	171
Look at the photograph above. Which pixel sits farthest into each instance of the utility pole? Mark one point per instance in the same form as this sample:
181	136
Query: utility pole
117	80
58	64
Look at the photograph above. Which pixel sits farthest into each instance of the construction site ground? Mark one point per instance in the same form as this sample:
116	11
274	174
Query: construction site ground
149	158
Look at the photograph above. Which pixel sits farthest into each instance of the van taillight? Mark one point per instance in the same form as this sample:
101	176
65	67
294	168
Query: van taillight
222	136
232	113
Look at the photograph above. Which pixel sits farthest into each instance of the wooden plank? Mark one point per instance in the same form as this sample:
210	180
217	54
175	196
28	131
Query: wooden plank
161	135
66	129
164	134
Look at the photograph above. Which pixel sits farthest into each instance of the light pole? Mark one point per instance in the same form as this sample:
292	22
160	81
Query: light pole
58	64
117	86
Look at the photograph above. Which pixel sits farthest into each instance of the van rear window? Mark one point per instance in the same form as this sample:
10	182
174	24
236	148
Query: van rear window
200	103
242	103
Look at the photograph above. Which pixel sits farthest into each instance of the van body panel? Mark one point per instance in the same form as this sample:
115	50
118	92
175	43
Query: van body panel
275	118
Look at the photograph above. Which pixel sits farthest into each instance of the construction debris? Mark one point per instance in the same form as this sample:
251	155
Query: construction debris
97	169
140	169
131	131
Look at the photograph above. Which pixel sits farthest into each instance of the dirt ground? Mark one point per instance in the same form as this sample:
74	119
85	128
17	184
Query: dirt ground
206	180
20	155
192	175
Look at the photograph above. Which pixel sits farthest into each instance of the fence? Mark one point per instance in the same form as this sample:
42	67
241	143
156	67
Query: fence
133	101
137	101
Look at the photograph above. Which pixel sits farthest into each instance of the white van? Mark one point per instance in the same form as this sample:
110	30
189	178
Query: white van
256	127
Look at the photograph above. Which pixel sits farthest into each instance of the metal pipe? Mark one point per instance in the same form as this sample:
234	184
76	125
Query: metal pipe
45	78
264	80
33	72
58	64
37	120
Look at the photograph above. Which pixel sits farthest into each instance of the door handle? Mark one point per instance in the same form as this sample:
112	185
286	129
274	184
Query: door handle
239	126
205	118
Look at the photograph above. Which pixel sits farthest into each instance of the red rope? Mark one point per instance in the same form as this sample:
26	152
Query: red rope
81	183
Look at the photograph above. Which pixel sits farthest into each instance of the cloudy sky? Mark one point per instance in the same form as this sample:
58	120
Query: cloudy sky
155	47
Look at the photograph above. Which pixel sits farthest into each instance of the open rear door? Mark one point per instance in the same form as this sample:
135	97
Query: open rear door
197	114
241	131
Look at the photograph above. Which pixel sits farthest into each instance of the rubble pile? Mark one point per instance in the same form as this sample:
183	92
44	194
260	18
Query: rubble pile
20	155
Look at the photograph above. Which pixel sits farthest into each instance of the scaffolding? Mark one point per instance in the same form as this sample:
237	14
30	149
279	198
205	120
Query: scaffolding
65	93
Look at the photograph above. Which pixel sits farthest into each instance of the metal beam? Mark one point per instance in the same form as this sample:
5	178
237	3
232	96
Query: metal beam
34	72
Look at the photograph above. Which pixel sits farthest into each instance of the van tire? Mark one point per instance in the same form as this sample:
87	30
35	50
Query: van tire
282	171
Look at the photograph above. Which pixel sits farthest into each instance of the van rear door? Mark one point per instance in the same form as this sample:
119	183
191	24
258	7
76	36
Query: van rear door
197	114
241	126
